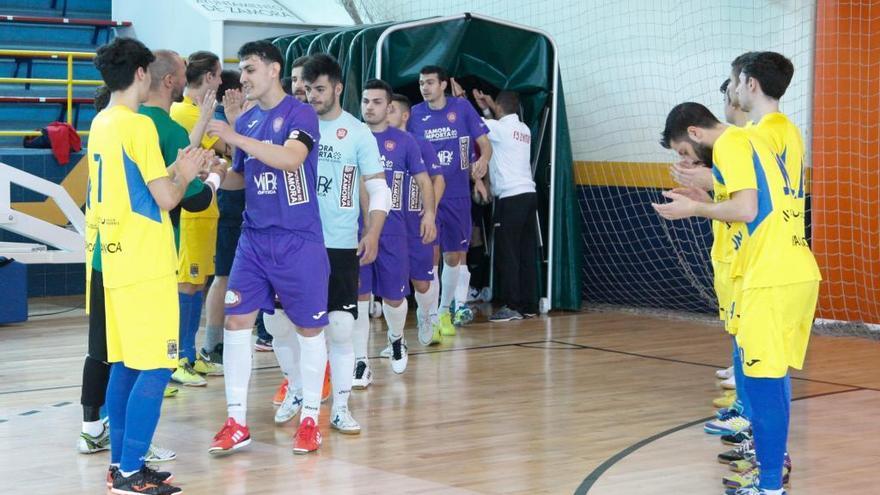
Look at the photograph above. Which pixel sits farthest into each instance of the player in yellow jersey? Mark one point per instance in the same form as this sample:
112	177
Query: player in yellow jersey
780	278
198	230
129	236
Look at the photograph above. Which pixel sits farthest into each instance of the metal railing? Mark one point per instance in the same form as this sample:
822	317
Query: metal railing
70	82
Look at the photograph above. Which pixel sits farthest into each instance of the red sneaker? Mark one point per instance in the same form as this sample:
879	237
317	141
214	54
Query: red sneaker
231	437
328	389
280	393
308	437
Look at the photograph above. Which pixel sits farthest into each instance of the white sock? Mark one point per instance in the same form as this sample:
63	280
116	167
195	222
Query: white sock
449	282
434	291
341	352
396	318
461	289
237	362
93	428
774	492
361	335
424	302
286	347
312	362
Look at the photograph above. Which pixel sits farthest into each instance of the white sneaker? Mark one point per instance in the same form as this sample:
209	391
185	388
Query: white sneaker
158	454
729	384
724	374
426	331
398	356
341	420
386	352
288	408
363	376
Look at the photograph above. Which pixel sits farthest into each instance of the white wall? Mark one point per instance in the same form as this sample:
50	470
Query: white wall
625	63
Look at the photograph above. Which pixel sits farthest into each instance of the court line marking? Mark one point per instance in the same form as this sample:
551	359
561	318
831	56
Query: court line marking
594	476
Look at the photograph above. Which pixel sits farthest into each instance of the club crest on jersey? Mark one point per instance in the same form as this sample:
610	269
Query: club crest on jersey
232	299
341	133
390	145
172	349
194	270
451	117
277	123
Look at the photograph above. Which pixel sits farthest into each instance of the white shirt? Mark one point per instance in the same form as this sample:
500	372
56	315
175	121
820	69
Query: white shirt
510	169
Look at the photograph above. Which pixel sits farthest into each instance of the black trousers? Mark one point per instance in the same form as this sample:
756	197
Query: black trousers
96	370
516	244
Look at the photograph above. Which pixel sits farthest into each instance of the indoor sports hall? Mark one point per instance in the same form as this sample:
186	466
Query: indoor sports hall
605	248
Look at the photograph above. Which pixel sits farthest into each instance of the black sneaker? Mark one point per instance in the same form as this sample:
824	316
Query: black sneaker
214	356
505	314
147	481
737	438
363	376
162	476
263	345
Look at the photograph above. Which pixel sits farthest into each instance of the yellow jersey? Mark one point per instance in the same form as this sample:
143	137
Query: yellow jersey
772	250
788	147
136	238
186	113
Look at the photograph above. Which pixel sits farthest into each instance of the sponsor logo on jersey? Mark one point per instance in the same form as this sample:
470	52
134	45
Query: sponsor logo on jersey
341	133
295	186
451	117
415	198
277	123
464	151
318	315
106	248
397	191
326	152
390	145
252	123
266	182
425	118
445	157
324	184
346	188
440	133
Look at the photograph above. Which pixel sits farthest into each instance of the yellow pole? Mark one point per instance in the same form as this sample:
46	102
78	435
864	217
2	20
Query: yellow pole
70	88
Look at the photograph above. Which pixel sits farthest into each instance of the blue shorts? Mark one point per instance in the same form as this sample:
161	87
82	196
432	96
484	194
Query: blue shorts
421	259
454	224
387	276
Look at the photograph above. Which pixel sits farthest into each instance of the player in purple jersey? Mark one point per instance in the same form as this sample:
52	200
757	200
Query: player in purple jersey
281	249
401	158
422	264
452	126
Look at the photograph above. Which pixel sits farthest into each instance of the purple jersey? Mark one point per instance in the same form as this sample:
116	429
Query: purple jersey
414	197
453	131
277	199
401	157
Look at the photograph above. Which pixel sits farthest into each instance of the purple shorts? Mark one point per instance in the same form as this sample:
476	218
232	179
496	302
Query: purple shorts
421	259
282	263
454	224
388	276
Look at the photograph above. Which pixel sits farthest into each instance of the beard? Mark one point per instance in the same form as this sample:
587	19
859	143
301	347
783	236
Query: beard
704	153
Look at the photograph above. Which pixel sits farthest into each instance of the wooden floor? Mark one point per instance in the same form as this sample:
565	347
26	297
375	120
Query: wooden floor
598	403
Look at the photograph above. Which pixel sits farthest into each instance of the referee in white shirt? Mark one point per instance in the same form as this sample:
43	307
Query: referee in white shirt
510	177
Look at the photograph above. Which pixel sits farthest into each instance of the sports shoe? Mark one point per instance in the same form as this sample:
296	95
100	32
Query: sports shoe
446	327
436	328
158	454
729	383
163	476
749	490
742	451
186	375
742	465
280	393
308	437
289	408
737	438
386	352
363	376
751	477
724	374
232	436
505	314
729	425
426	329
486	294
214	355
473	295
341	420
87	444
724	411
327	391
144	482
207	367
399	357
262	345
170	391
463	315
725	400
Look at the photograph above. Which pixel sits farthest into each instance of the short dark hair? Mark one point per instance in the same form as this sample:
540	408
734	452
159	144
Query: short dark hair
299	62
119	60
102	97
442	75
229	79
322	64
508	101
266	51
198	64
772	70
685	115
737	64
402	99
380	84
724	86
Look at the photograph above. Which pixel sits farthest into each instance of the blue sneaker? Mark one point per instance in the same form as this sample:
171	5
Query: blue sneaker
731	425
736	407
